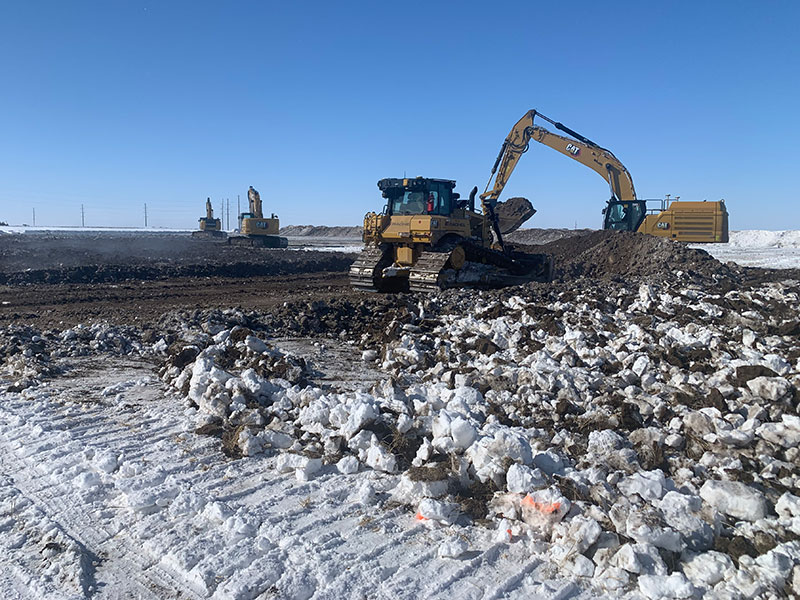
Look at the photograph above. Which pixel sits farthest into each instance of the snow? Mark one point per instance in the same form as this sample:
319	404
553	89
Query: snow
758	248
234	475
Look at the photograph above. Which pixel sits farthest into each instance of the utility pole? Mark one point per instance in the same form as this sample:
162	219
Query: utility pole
34	217
145	215
238	213
228	222
83	220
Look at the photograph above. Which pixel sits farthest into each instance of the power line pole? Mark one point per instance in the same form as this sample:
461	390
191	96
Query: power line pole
34	217
228	222
145	215
83	220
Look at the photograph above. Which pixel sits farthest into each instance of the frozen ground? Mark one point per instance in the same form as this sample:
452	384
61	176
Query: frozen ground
629	431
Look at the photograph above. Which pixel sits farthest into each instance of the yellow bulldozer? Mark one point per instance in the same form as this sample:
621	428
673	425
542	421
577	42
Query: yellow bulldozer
427	238
254	229
678	220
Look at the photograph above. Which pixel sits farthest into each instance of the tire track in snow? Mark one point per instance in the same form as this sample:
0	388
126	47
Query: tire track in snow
123	566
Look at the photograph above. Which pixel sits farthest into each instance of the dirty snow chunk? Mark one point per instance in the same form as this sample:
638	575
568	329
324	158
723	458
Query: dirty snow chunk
381	460
549	462
648	484
603	442
452	548
770	388
463	433
786	434
305	471
669	586
347	465
249	444
255	344
411	491
641	365
489	455
544	508
521	479
361	414
735	499
578	533
276	439
369	356
435	510
708	568
288	462
788	505
679	512
404	423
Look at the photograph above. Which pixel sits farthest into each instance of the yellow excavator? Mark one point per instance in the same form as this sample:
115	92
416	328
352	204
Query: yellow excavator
210	228
679	220
427	238
254	229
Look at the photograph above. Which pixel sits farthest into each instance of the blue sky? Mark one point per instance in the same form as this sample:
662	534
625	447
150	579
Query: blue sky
112	105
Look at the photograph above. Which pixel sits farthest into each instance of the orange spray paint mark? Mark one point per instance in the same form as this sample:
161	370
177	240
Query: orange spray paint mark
419	517
543	507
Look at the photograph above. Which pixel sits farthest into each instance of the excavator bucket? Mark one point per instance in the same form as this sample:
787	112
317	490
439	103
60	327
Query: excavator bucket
512	213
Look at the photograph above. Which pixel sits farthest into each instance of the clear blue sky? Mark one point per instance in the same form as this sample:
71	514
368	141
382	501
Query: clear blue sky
116	104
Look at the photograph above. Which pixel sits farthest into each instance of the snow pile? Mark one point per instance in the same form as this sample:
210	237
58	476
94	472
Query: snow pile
641	439
756	238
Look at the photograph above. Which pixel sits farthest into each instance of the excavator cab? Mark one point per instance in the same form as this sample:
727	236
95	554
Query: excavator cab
624	215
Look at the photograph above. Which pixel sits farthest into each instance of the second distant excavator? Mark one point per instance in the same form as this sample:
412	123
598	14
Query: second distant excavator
678	220
254	229
210	228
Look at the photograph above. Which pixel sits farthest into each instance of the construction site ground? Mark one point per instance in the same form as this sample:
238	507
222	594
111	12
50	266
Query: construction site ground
184	419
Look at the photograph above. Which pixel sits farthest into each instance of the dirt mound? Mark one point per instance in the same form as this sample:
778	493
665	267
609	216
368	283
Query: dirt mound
119	256
622	254
535	236
321	231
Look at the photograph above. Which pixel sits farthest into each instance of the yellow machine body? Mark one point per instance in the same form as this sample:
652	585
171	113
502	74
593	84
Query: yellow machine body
696	222
254	226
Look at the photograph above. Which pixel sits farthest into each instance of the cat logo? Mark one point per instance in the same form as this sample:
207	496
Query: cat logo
662	225
573	149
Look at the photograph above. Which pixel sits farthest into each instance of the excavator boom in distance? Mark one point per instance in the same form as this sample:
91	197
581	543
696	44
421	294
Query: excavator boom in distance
678	220
254	229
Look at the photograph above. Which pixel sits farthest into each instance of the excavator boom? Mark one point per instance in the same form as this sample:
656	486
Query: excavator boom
577	147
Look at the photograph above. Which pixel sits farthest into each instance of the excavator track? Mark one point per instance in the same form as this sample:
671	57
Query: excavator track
366	271
429	274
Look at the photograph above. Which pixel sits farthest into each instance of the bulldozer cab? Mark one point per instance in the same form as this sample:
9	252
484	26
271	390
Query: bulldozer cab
419	196
624	215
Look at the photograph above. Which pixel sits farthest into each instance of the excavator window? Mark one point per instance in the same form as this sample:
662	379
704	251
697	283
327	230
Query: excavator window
624	216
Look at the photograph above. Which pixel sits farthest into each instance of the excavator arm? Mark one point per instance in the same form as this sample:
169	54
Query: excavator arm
577	147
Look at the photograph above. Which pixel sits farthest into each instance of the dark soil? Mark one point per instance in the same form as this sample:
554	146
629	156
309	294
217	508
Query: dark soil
60	279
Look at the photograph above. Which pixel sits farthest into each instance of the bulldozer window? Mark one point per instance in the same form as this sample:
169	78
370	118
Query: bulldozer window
410	203
441	200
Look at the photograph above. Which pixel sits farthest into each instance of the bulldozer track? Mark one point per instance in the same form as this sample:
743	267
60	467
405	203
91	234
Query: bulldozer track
365	271
427	275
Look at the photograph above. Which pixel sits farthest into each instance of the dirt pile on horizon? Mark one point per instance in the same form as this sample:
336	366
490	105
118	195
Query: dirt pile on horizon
621	254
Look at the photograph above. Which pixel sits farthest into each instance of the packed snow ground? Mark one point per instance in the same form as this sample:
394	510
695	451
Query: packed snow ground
600	441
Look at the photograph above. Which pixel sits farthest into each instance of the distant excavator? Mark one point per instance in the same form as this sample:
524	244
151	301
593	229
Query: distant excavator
254	229
679	220
210	228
